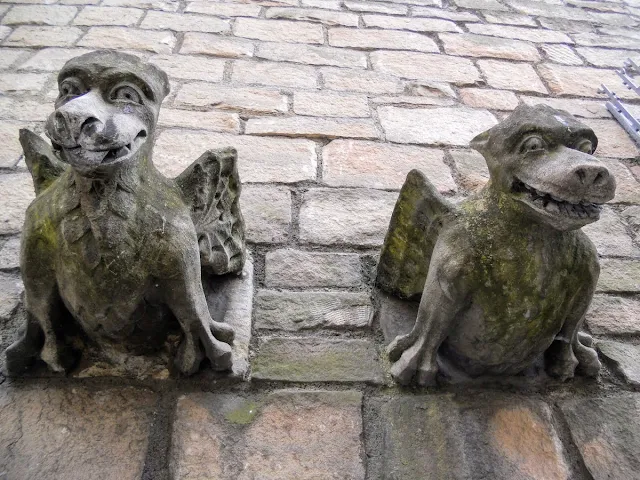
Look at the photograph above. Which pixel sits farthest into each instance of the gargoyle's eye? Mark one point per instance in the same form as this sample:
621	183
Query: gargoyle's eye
533	143
71	87
126	93
585	146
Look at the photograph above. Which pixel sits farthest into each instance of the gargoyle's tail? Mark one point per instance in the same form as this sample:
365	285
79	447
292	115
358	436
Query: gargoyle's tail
211	187
45	168
413	231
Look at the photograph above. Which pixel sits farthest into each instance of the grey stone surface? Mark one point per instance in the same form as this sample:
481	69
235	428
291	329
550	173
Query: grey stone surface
496	436
74	432
314	359
606	432
619	275
11	289
610	314
625	359
302	434
396	316
294	311
298	268
17	189
610	236
10	254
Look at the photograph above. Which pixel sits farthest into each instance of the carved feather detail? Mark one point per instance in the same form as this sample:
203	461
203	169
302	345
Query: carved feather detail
211	187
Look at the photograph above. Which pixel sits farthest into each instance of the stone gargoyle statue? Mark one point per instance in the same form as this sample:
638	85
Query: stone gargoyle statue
111	241
506	276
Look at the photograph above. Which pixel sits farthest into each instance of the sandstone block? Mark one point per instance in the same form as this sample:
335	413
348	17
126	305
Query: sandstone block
625	359
561	54
39	15
11	289
283	434
267	213
327	104
609	234
351	163
512	76
184	22
610	315
313	359
360	81
51	59
246	99
278	30
17	194
10	254
481	46
214	121
617	275
581	81
296	268
28	36
384	39
274	73
74	432
449	126
296	311
312	15
259	159
577	107
605	430
223	9
471	168
491	99
535	35
108	16
424	66
190	67
363	6
312	55
129	38
415	24
216	45
312	127
346	216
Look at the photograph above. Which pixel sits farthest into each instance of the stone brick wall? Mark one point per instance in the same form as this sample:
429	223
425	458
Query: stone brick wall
330	103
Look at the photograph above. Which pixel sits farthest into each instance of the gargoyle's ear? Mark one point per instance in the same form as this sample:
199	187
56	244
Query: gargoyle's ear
479	142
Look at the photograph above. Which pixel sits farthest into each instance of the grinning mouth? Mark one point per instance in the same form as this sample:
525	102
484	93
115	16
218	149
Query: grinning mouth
552	205
111	155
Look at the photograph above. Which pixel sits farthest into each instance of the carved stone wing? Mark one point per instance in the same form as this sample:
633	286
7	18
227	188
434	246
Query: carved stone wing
413	231
44	166
211	187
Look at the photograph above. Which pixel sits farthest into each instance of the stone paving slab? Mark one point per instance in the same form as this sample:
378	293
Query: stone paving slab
433	437
73	432
606	432
302	434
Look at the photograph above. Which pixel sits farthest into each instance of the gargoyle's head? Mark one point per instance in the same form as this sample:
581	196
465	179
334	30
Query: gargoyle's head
106	111
543	158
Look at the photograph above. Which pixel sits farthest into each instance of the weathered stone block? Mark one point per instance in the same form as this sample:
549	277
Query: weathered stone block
449	126
246	99
305	435
360	81
312	55
581	81
472	169
470	45
11	289
345	216
619	275
491	99
497	436
353	163
326	104
512	76
312	15
274	73
108	16
424	66
278	30
190	67
129	38
614	315
10	254
39	15
297	268
577	107
625	359
610	236
267	213
606	432
295	311
536	35
561	54
17	194
184	22
259	159
74	432
214	121
217	45
414	24
50	60
387	39
223	9
313	359
303	126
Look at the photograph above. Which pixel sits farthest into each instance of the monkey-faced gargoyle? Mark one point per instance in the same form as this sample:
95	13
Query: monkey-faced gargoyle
506	277
111	241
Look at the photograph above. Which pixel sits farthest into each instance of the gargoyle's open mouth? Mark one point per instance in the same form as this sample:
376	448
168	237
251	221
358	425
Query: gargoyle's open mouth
116	153
552	205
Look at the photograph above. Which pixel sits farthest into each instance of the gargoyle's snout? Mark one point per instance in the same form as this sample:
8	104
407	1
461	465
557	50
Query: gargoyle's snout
68	126
590	181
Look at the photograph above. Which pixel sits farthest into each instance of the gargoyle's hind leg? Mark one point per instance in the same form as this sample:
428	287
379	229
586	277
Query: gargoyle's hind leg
571	348
43	307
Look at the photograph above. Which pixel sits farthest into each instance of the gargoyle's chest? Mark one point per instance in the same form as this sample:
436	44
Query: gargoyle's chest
101	275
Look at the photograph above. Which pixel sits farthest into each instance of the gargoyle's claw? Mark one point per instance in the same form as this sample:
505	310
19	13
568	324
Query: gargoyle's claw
189	356
398	346
588	362
218	353
58	357
404	369
223	331
585	339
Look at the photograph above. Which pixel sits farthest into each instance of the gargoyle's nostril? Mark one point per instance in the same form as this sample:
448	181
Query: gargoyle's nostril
581	174
90	126
601	178
59	122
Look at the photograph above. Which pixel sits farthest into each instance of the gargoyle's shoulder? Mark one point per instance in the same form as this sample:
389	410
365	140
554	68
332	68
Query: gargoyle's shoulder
50	206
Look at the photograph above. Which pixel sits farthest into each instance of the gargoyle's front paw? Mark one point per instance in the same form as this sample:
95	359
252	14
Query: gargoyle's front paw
414	363
588	362
223	331
561	361
210	340
57	356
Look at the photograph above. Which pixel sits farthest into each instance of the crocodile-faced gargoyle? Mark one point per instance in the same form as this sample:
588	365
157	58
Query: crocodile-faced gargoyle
506	276
111	241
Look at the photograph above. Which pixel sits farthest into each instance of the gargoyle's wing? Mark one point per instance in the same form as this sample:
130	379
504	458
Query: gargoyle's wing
413	231
44	166
211	188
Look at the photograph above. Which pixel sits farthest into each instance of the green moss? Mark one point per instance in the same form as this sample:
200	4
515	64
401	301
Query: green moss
243	415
